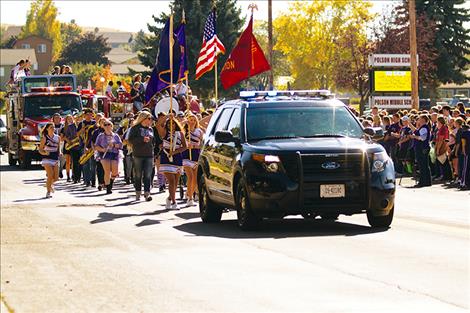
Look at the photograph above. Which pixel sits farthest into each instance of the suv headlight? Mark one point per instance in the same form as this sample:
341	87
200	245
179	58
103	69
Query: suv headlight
379	161
270	162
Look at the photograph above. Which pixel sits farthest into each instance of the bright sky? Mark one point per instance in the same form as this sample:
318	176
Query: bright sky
126	15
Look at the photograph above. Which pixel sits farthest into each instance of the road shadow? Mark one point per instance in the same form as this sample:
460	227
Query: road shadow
188	215
278	229
147	222
108	217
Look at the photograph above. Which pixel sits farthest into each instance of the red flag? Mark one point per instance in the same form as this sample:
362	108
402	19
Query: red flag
246	59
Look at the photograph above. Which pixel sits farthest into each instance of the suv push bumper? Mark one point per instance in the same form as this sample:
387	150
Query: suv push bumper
277	195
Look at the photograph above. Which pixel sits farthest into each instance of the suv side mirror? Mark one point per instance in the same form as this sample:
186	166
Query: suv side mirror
376	133
224	136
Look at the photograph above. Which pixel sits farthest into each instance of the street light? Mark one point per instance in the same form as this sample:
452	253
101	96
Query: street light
102	80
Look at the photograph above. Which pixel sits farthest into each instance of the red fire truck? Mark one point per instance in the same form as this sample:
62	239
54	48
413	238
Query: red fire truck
114	110
30	106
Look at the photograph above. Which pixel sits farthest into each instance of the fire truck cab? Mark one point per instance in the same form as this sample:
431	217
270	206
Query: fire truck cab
30	106
114	109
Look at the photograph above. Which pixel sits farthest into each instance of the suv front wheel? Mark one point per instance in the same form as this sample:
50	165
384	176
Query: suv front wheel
380	221
209	211
247	220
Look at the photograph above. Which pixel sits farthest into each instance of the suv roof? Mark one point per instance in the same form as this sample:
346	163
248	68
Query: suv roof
282	98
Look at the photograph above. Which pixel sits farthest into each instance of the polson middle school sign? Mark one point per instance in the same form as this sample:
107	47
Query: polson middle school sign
391	102
389	60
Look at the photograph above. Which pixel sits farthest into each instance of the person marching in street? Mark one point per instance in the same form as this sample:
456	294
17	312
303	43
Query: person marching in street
84	130
108	144
97	130
72	140
142	139
123	132
58	126
50	149
160	127
65	151
421	136
191	155
171	160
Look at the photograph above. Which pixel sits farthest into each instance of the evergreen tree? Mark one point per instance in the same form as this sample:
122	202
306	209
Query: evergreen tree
229	24
452	39
88	48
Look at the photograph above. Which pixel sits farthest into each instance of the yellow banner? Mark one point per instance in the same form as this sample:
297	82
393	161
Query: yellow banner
392	81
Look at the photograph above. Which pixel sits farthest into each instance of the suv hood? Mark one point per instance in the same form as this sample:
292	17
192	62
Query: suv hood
308	145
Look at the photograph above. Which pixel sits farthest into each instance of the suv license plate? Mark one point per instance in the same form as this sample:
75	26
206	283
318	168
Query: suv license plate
332	191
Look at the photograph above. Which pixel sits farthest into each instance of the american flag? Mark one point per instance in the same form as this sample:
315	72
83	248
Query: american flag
211	47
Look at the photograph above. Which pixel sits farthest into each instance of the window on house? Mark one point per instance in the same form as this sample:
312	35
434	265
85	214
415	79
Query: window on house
25	46
42	48
2	71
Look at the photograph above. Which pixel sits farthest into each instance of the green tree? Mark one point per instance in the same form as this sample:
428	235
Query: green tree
42	21
139	41
229	24
85	72
452	39
70	31
88	48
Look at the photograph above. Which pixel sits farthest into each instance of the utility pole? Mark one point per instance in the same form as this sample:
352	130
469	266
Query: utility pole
270	43
413	54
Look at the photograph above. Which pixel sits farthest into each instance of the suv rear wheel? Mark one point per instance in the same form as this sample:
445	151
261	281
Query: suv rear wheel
208	210
247	220
11	160
380	221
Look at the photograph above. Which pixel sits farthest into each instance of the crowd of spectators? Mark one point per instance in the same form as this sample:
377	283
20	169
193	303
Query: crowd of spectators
432	145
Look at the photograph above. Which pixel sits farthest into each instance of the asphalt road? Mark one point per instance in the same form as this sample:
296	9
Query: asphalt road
84	252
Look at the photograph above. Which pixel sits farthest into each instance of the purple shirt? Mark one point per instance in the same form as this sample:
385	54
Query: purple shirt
103	140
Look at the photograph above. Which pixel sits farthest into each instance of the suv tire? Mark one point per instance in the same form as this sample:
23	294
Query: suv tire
25	162
11	160
247	220
380	221
208	210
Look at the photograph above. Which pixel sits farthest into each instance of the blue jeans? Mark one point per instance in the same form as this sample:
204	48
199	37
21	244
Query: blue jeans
143	167
89	171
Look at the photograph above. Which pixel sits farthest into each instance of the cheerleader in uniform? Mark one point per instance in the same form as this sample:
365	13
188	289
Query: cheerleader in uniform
171	159
49	148
191	155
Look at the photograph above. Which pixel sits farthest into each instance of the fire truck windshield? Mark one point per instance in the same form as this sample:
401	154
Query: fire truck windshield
46	106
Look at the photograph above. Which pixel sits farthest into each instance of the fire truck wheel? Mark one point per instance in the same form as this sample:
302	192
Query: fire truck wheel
11	160
25	162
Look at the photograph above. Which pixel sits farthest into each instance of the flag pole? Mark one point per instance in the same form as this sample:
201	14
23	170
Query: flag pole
171	86
215	81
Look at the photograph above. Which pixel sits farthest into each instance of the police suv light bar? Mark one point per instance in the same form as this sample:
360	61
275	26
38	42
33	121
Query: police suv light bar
323	93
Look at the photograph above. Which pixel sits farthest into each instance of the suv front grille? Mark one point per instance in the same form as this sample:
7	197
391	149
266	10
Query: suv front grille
348	169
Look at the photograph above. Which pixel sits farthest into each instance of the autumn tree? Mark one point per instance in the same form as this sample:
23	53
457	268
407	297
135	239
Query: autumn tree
88	48
42	21
311	35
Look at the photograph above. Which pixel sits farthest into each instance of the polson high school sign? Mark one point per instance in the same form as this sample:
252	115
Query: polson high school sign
390	60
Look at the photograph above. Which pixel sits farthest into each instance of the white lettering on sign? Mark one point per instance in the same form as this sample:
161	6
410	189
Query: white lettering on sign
397	102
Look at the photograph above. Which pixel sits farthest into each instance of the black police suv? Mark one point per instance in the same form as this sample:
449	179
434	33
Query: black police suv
273	154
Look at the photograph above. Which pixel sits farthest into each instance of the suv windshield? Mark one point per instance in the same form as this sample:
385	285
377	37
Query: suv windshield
46	106
294	122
